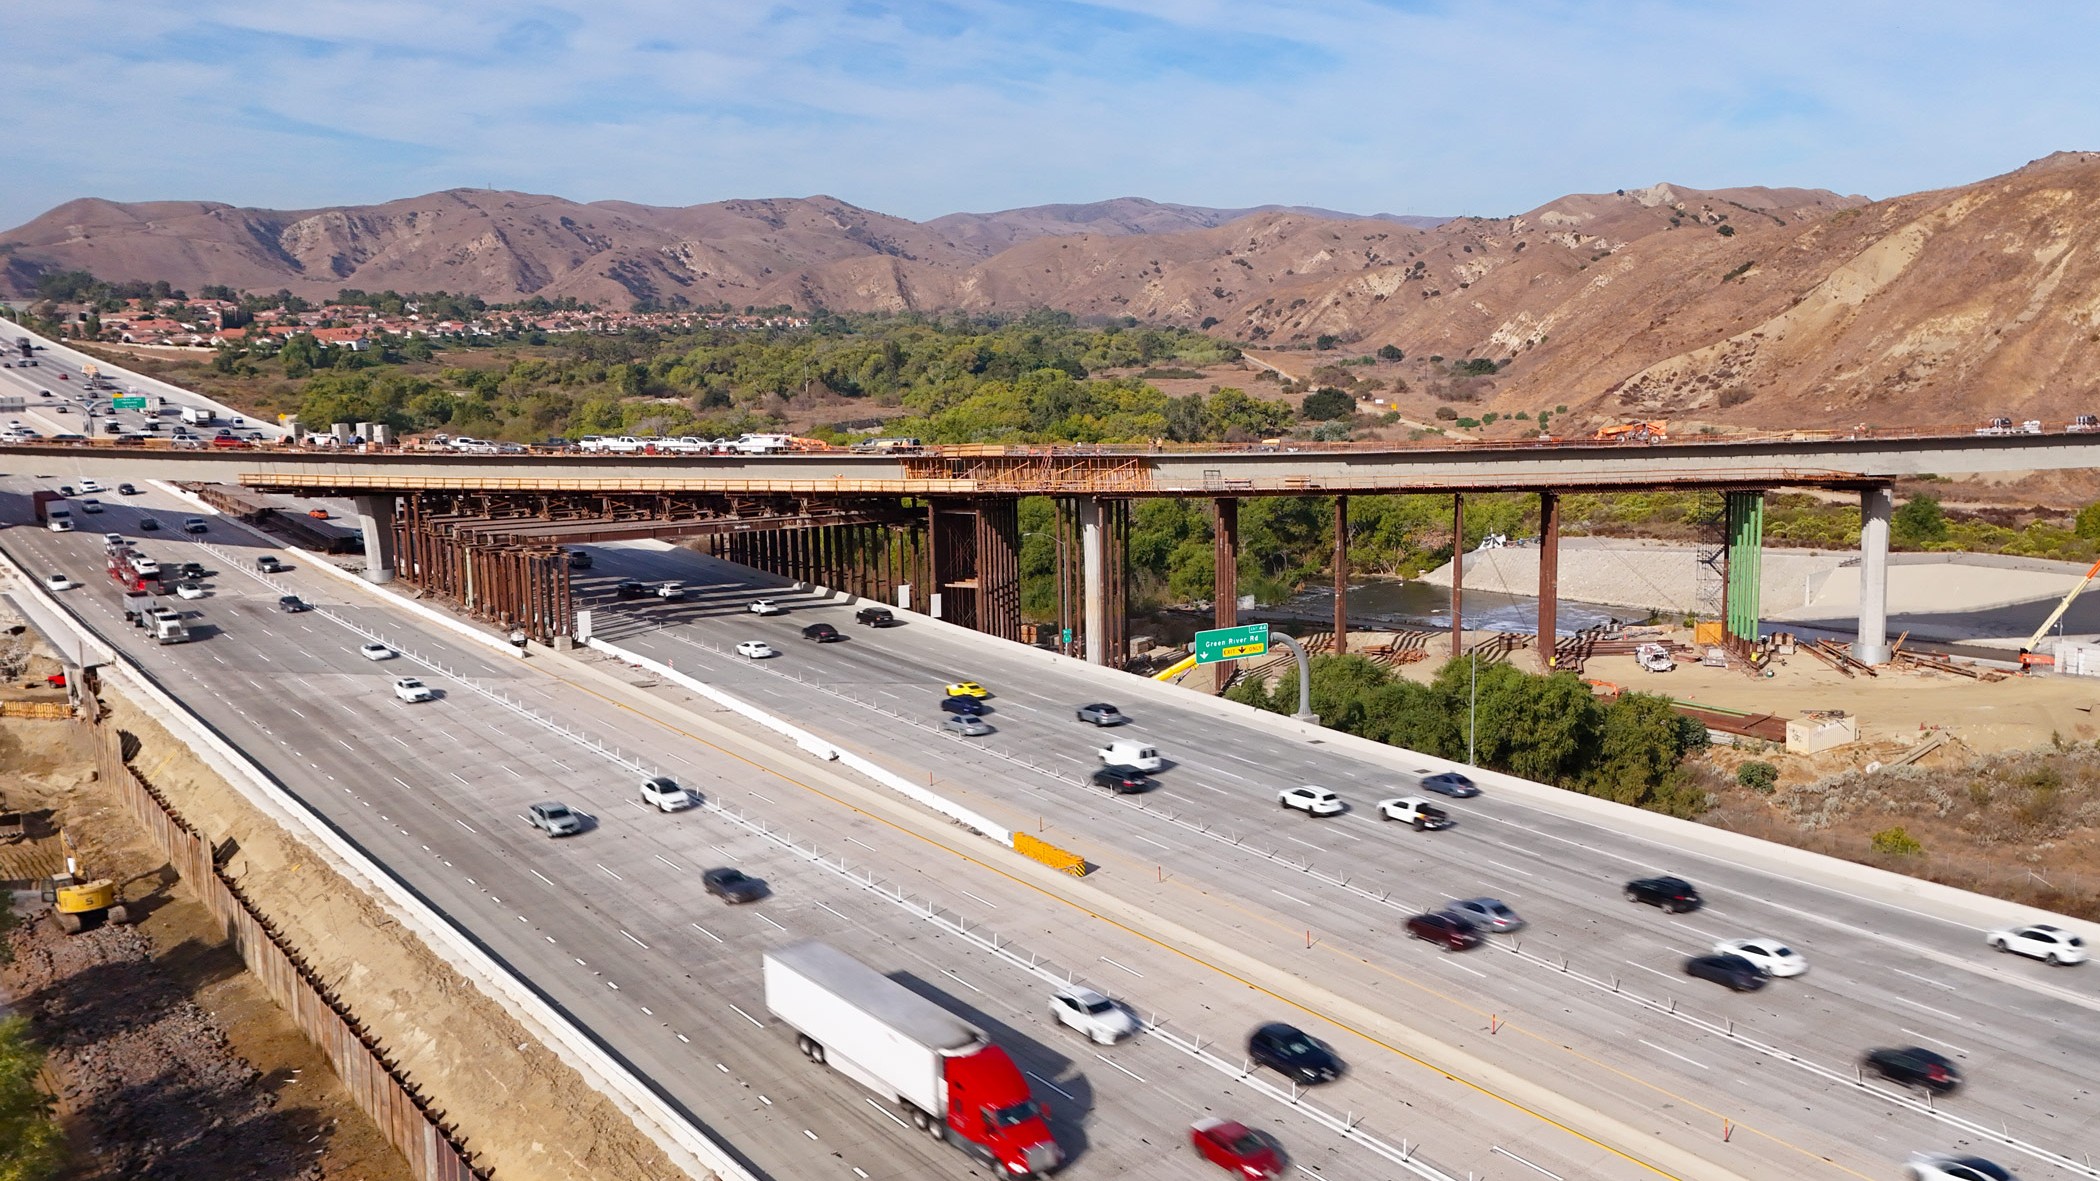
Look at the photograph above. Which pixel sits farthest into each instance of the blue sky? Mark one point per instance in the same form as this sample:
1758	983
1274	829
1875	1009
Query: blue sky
1484	107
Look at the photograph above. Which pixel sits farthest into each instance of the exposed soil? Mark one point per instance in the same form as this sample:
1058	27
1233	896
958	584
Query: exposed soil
167	1059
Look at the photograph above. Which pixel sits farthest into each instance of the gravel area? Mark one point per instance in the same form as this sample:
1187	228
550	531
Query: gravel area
148	1079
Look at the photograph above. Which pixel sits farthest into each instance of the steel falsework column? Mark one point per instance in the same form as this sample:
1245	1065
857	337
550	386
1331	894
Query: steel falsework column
1225	576
1458	573
1549	576
1876	506
1341	576
375	518
1093	557
1744	572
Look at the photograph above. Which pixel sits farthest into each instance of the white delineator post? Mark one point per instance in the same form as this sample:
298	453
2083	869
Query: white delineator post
1876	506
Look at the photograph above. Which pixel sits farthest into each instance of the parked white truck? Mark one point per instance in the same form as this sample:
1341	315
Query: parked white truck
947	1076
199	415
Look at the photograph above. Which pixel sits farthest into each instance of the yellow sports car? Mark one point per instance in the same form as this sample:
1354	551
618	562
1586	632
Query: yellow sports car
967	689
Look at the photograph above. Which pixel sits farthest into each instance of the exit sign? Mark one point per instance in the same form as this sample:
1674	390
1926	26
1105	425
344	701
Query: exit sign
1231	643
127	403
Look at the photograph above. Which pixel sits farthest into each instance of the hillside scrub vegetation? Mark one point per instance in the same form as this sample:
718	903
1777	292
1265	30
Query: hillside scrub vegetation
1551	728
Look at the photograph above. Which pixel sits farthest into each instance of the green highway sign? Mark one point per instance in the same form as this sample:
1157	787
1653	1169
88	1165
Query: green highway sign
127	403
1231	643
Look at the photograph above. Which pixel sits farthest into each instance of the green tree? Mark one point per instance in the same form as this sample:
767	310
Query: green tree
1390	352
1638	749
32	1148
1918	523
2088	524
1327	404
1325	341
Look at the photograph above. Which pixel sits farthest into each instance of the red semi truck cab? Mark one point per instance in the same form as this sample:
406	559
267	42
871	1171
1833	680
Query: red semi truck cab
941	1070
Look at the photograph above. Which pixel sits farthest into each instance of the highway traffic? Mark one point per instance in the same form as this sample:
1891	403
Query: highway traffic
1590	994
615	926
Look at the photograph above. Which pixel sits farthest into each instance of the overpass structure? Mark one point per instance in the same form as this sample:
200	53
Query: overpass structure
938	530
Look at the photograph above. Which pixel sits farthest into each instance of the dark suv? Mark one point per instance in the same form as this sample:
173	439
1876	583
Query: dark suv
1446	929
1733	971
629	589
1674	895
1915	1067
822	633
1292	1052
874	617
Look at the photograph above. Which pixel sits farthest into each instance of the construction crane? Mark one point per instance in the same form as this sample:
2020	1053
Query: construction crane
78	905
2029	658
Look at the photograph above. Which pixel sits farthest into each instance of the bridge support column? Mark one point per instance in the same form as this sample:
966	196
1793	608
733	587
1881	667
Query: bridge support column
1549	577
1876	506
1093	557
1341	576
1458	573
1225	577
375	518
1743	569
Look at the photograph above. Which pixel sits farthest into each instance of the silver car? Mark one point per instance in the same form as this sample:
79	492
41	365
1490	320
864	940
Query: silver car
555	818
1488	914
966	725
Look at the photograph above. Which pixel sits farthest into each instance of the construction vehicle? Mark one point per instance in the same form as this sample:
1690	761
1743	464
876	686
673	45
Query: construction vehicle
1634	432
79	903
2029	658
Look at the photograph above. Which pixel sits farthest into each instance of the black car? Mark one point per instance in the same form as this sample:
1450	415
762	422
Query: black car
1731	970
292	605
1915	1067
191	570
733	885
1122	779
148	525
967	706
874	617
126	490
1674	895
822	633
1293	1053
629	589
1447	930
579	559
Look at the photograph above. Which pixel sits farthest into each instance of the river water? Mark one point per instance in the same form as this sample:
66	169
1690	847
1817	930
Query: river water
1401	604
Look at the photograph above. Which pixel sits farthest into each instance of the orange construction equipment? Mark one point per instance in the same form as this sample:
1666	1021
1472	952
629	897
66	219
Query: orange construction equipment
1634	432
798	443
2029	658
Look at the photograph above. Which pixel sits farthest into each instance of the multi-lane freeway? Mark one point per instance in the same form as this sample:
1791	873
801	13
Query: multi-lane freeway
1574	1048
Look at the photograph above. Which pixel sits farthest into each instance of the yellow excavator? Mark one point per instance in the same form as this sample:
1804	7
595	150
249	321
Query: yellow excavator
79	903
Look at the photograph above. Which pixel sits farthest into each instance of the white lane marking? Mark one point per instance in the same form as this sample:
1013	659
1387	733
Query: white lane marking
1646	968
540	876
295	710
346	746
1904	1000
1672	1053
636	942
1511	868
397	779
667	861
1463	968
1281	894
862	844
1119	1066
464	824
1924	979
1150	841
886	1114
960	980
1230	775
609	873
1928	1037
1696	931
967	894
761	797
1307	844
1036	1077
705	931
755	1022
770	920
1113	964
832	909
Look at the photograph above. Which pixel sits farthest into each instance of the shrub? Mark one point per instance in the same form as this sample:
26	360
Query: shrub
1896	842
1390	353
1489	418
1325	341
1757	776
1327	404
1446	414
1736	395
1467	424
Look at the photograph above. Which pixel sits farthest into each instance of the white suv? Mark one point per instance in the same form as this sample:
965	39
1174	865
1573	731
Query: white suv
663	793
1313	801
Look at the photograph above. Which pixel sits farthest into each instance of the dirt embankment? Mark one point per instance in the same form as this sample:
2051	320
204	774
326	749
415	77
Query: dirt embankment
524	1112
167	1059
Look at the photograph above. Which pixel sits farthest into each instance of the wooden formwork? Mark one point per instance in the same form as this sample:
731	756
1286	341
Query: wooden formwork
396	1106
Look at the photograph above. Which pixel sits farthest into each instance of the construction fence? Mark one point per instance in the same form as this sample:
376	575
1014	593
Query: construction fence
379	1088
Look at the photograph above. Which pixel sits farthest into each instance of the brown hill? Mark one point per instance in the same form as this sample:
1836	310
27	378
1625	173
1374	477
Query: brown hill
1792	306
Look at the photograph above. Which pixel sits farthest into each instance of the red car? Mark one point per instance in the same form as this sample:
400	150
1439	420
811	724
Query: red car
1228	1144
231	441
1449	930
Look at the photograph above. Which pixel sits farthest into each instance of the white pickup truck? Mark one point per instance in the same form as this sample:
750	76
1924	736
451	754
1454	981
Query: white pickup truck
1414	810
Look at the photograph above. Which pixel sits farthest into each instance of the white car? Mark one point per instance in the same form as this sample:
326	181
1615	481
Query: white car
188	590
2041	941
663	793
755	650
412	690
765	607
1313	801
1102	1020
375	651
671	592
57	582
146	567
1774	957
90	485
1945	1166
